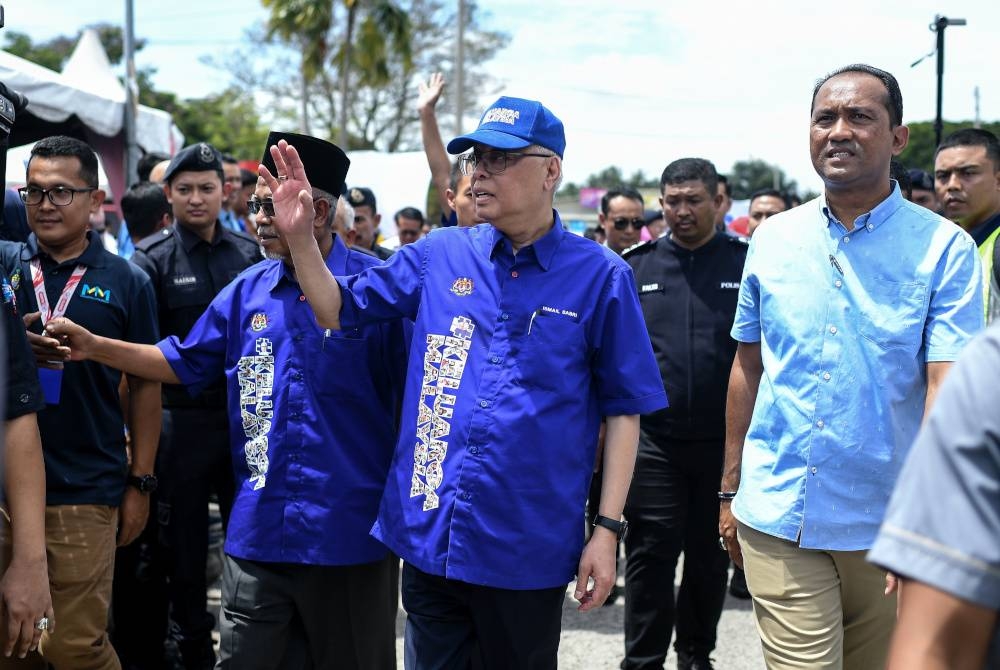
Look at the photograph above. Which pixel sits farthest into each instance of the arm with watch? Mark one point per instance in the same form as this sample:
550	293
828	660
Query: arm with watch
744	381
144	415
598	559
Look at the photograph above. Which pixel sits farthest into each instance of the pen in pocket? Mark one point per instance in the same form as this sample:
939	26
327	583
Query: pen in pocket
836	265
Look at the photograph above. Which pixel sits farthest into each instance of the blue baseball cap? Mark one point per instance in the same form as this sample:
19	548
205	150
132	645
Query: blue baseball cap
514	123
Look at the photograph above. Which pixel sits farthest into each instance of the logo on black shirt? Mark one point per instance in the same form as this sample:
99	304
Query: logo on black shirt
96	293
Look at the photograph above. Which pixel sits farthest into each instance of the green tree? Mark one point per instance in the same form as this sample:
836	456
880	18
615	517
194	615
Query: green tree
611	177
752	175
919	151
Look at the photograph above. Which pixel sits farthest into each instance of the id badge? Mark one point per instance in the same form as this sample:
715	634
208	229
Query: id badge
51	381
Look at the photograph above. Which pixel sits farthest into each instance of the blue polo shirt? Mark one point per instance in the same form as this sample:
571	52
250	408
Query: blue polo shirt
83	437
514	361
313	414
847	321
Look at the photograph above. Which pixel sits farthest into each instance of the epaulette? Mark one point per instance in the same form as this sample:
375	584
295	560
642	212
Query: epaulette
639	247
150	241
739	239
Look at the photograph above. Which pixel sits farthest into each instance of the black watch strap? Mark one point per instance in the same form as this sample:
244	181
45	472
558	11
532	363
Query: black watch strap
619	528
145	483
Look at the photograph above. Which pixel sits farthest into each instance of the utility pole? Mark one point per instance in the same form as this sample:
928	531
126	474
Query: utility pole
460	69
940	23
978	122
131	101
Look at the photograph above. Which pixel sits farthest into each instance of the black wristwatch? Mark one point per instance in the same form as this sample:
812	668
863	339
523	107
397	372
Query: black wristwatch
145	483
619	528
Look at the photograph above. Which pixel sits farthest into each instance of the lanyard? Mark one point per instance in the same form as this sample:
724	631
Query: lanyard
38	281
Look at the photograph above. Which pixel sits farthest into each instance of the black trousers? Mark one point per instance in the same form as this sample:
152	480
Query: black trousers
194	460
672	507
453	625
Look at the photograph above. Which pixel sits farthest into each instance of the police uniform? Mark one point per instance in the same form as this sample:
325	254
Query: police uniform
359	196
688	300
193	460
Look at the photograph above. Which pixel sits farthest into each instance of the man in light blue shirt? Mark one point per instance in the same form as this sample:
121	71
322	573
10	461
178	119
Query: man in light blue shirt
851	309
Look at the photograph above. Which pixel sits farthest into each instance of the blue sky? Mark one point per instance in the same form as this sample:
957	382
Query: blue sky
638	83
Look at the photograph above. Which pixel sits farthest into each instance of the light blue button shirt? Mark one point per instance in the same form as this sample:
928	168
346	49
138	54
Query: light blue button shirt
847	321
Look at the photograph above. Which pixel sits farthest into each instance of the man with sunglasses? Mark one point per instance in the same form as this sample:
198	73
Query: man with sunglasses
525	336
688	286
189	263
622	216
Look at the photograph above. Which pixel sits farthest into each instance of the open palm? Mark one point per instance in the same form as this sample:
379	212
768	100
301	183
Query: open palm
290	191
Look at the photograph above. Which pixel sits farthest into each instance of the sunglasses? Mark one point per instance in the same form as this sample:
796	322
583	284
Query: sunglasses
622	224
256	205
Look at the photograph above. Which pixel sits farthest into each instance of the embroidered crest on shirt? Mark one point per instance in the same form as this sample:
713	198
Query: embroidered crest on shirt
258	322
15	279
462	286
256	377
444	364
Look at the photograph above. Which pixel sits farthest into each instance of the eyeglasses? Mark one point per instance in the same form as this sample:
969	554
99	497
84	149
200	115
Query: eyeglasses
60	196
622	224
493	162
255	205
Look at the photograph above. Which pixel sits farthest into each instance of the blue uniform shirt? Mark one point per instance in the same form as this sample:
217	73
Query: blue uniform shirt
846	322
514	361
313	415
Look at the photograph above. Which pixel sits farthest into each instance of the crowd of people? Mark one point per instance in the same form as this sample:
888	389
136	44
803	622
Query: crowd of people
500	404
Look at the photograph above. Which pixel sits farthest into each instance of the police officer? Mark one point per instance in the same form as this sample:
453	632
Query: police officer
688	285
189	263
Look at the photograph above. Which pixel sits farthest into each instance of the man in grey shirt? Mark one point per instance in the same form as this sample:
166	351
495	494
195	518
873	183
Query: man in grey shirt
941	533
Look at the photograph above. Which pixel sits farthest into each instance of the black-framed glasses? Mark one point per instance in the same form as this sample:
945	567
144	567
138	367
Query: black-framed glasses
493	161
60	196
623	223
255	205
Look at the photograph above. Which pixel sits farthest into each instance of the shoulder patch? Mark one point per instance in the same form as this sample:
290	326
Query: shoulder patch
739	239
639	247
153	240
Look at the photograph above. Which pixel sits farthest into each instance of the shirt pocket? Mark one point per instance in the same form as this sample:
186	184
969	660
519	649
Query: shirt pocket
553	353
341	359
892	314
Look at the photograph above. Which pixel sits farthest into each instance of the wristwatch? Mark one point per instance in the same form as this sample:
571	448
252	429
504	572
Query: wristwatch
619	528
145	483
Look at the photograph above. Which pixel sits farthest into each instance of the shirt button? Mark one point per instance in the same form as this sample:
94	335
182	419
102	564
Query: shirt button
297	337
846	239
838	283
505	316
484	403
494	359
514	274
297	376
473	450
870	227
820	424
833	330
24	398
302	298
826	376
813	469
466	496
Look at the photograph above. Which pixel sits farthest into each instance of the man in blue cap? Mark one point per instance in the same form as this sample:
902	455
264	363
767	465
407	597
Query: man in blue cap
525	336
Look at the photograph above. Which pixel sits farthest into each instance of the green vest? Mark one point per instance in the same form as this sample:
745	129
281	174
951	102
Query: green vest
988	252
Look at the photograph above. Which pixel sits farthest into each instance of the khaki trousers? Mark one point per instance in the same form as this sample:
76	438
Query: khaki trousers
816	609
80	547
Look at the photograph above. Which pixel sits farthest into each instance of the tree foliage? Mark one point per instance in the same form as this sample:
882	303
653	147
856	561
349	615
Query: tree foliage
382	71
753	175
919	151
611	177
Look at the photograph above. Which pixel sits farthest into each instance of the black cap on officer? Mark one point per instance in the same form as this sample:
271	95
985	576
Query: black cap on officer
201	157
325	163
359	196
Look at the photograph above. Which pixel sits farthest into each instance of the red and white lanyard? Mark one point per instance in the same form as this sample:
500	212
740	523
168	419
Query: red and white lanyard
38	281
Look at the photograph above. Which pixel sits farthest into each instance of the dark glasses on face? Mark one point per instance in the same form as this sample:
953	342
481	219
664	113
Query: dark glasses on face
255	205
622	224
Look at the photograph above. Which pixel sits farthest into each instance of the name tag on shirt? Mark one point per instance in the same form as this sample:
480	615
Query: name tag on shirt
730	285
650	288
185	280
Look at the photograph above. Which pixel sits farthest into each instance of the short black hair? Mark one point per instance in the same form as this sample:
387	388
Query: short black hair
691	169
247	178
768	192
899	172
893	97
143	206
973	137
409	213
724	180
620	192
61	146
230	159
147	163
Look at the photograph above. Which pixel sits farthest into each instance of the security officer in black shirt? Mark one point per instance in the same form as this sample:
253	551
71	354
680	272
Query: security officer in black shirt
688	286
189	263
366	221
